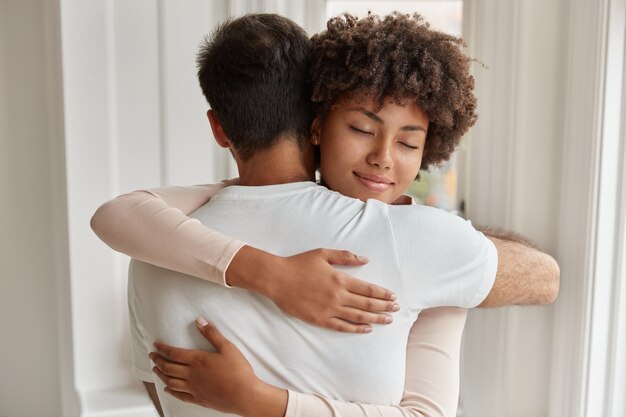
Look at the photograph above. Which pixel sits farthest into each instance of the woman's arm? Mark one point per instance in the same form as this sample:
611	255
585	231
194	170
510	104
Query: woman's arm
432	374
225	381
153	226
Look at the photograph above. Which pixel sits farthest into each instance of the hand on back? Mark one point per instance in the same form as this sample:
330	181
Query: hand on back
222	380
308	287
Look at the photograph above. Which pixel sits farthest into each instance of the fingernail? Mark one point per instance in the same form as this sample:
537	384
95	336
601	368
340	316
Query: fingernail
367	330
362	259
396	307
392	297
201	321
388	319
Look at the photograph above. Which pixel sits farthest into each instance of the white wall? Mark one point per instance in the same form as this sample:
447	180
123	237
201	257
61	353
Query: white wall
33	251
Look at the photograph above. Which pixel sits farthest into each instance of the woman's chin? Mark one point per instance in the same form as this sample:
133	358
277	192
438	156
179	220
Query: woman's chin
362	193
376	196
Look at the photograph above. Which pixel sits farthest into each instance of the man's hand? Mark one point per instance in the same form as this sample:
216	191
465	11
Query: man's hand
222	380
307	287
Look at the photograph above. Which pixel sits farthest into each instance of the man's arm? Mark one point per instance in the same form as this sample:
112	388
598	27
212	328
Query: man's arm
525	274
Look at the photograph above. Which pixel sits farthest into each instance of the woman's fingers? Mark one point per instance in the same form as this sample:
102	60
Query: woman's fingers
174	384
169	368
369	290
344	326
183	396
358	316
343	257
210	332
370	304
353	320
174	354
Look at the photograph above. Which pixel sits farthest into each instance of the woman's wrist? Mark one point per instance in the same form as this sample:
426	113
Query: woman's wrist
265	400
249	270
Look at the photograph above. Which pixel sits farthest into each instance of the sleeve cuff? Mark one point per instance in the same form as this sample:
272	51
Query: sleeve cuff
224	263
292	404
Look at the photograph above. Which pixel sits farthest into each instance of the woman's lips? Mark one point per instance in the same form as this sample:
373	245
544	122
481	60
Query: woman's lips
374	182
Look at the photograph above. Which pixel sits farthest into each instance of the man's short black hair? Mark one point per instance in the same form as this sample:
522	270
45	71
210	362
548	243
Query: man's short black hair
253	71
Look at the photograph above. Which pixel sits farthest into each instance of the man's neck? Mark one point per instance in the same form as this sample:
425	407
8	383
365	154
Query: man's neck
283	163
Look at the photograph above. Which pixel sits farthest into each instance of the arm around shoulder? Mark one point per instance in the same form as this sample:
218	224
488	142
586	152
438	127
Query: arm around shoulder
153	226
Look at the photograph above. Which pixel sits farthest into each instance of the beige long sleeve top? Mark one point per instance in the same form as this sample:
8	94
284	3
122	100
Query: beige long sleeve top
153	226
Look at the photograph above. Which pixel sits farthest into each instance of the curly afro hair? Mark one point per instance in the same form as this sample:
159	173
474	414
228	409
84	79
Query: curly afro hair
398	58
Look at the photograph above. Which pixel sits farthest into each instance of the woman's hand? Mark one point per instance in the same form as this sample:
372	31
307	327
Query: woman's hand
222	380
307	287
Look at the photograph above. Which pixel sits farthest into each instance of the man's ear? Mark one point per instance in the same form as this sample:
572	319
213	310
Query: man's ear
218	131
316	131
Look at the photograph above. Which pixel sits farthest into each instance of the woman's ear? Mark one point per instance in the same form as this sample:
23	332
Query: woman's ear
316	131
218	131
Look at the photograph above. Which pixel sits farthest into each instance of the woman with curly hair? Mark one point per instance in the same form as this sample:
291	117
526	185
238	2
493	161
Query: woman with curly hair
396	59
392	96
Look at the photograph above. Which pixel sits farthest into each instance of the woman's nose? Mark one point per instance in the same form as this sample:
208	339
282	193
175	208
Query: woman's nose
381	156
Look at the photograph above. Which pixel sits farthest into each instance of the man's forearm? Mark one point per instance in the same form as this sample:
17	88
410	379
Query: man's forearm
525	275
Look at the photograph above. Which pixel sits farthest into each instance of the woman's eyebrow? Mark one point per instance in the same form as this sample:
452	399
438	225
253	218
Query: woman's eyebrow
369	114
377	119
413	128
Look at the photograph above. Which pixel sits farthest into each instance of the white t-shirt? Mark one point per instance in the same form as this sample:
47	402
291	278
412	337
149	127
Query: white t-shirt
426	256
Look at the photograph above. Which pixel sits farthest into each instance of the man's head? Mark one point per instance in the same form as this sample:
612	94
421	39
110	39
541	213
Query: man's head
397	59
253	71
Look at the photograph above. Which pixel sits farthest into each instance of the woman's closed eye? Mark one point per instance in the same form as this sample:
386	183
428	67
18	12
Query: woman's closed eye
408	145
365	132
